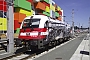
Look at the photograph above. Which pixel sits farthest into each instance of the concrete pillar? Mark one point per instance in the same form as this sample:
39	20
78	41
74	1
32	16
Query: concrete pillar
10	27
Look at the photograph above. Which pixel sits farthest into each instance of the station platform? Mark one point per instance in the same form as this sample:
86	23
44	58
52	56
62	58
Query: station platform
82	52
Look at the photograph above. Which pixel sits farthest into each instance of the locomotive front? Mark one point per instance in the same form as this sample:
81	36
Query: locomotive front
33	31
30	29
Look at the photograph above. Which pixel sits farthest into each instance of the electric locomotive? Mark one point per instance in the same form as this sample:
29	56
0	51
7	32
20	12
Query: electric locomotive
38	31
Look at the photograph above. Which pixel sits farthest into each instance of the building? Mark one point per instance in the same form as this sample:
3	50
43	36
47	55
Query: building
24	8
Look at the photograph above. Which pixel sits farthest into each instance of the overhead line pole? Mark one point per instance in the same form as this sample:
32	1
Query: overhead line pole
73	22
10	26
79	25
64	18
89	37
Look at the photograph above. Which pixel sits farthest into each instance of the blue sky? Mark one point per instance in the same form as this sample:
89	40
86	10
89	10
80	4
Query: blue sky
81	11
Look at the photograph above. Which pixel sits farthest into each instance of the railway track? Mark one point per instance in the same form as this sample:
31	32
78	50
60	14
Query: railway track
23	56
19	56
3	41
3	44
1	48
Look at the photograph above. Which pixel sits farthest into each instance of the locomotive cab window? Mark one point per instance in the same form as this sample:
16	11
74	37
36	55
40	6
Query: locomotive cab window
31	23
46	24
